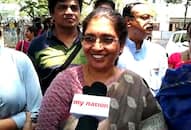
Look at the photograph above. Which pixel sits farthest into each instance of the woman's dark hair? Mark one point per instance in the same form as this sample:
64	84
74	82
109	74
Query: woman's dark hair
127	10
113	16
52	4
99	2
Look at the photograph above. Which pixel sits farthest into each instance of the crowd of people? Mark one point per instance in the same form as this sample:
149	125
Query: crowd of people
57	61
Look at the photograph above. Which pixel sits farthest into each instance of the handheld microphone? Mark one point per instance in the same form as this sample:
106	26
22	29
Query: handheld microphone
97	89
89	122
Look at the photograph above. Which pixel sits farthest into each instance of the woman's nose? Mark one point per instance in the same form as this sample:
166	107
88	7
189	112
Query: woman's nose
98	45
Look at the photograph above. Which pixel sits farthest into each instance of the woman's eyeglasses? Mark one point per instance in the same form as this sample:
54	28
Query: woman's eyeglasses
104	39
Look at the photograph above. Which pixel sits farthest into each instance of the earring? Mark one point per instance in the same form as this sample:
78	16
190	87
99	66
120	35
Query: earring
52	20
120	52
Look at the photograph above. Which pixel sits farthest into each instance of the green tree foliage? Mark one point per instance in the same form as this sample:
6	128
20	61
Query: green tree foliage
32	8
10	1
35	8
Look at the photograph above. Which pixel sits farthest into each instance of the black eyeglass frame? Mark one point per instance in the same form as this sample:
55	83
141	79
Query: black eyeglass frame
104	39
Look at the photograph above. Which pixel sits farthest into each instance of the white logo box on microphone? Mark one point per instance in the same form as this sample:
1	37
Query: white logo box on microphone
96	106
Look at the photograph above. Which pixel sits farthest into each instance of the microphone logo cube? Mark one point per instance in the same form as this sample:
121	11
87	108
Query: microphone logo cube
96	106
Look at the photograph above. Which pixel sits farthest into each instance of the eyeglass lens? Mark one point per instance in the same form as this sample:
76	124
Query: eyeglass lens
105	39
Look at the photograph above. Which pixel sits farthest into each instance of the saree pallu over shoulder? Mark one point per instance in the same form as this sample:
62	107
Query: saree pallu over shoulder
133	107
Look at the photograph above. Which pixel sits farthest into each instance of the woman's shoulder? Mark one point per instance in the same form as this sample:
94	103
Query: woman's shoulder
130	73
73	70
130	77
133	81
70	73
67	80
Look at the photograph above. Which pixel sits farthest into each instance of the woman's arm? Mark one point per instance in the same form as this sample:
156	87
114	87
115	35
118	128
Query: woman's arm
55	105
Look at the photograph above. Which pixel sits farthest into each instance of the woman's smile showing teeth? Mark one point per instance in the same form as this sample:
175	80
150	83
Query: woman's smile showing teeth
97	56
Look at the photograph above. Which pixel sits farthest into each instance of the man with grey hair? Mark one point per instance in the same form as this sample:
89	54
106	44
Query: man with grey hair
140	55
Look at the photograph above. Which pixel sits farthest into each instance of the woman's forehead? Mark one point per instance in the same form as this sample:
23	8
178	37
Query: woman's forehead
101	24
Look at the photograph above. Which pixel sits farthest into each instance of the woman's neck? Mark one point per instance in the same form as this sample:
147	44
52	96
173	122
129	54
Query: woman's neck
105	76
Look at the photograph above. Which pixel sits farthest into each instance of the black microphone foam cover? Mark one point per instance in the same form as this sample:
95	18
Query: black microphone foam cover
86	89
97	89
89	122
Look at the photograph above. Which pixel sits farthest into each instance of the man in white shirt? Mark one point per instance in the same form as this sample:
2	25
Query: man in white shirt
147	59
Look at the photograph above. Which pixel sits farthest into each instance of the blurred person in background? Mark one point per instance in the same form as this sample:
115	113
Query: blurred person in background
37	25
47	24
147	59
30	33
110	4
19	89
177	59
61	45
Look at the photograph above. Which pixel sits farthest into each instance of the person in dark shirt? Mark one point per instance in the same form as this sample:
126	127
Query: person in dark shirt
51	49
